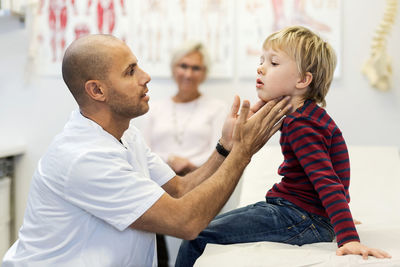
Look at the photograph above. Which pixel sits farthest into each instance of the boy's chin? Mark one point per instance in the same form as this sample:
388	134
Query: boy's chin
265	99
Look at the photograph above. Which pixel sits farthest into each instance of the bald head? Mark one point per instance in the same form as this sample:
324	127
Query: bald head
87	58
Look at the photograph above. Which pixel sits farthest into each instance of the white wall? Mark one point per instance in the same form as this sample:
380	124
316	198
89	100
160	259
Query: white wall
36	110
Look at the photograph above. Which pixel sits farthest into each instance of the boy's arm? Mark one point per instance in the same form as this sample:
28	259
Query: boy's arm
308	139
317	164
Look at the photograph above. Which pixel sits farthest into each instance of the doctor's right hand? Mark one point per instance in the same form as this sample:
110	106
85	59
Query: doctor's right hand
253	127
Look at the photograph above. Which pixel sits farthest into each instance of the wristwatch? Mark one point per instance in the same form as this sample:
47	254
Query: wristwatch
221	150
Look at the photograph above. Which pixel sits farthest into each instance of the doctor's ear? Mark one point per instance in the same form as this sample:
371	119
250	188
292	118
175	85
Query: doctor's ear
95	90
305	81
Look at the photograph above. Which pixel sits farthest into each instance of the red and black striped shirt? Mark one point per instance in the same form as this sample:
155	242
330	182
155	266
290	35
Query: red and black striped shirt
316	168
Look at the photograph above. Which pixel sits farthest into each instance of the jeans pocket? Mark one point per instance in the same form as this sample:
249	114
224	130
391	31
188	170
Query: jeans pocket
309	235
295	213
298	215
325	228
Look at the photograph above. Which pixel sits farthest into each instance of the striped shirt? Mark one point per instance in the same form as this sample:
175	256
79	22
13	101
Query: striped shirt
316	168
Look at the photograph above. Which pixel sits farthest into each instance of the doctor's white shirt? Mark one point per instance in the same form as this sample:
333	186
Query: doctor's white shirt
86	191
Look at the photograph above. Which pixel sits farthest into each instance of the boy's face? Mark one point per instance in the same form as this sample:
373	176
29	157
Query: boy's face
277	75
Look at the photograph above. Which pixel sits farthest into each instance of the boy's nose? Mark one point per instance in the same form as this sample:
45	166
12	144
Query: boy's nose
260	70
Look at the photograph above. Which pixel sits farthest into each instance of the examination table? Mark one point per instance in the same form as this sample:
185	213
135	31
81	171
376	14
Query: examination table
375	201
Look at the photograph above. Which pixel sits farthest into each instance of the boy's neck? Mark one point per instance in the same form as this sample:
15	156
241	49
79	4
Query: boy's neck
297	102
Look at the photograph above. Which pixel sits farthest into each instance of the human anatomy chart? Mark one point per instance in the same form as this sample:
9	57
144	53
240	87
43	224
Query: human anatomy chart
232	30
152	28
259	18
56	23
159	26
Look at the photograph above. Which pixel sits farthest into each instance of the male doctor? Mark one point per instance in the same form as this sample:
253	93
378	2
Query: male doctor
99	195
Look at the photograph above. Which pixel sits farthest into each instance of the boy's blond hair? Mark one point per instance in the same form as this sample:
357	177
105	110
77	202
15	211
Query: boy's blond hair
311	53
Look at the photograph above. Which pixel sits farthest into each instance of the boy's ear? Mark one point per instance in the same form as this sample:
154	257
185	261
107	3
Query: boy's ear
305	81
95	90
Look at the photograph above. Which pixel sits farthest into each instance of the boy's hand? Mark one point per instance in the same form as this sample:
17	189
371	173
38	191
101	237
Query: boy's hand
357	248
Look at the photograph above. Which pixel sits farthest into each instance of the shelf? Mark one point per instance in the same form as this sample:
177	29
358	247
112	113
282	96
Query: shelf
8	149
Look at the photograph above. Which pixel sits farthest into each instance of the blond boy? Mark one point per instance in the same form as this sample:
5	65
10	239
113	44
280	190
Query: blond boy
310	203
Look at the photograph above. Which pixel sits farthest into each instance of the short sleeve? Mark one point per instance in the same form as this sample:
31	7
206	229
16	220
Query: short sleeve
159	171
106	186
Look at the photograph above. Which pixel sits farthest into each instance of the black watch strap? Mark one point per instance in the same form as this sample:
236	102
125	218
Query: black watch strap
221	150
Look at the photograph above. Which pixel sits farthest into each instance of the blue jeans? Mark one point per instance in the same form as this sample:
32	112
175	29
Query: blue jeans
276	220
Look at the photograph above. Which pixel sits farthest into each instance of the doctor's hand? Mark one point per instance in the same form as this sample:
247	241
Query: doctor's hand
227	130
253	127
356	248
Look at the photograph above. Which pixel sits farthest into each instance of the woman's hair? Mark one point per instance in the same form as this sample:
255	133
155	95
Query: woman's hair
188	48
311	53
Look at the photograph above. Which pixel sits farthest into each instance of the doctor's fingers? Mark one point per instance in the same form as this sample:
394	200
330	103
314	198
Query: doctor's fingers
276	112
256	107
235	107
244	111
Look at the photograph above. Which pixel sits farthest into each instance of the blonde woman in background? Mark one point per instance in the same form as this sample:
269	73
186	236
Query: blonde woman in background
184	128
